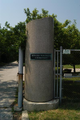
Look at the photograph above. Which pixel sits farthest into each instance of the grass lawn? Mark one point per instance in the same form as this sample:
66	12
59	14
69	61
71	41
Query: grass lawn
70	66
70	107
68	111
71	91
72	79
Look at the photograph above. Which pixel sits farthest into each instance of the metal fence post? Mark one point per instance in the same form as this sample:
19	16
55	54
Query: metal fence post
57	73
60	74
20	78
54	70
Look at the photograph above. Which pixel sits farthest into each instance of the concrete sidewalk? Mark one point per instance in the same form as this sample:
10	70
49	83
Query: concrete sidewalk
8	87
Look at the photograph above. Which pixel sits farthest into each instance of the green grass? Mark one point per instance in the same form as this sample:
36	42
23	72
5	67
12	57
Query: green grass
72	79
70	107
70	66
71	92
67	111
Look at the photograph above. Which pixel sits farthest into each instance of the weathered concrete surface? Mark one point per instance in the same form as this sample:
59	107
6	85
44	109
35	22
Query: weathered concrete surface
39	73
6	114
39	106
8	84
8	87
25	115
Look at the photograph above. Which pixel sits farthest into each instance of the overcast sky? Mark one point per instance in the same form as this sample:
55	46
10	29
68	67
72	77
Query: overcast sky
13	10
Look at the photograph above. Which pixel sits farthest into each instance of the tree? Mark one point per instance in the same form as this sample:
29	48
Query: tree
72	59
73	35
65	35
10	40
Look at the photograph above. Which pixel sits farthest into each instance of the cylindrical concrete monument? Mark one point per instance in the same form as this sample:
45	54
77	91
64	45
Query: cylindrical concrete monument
39	60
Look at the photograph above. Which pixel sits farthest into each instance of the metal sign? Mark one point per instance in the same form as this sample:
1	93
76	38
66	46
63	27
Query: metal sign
40	56
66	51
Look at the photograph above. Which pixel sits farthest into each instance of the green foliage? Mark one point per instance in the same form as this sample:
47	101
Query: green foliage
65	34
44	13
19	34
72	59
34	15
10	40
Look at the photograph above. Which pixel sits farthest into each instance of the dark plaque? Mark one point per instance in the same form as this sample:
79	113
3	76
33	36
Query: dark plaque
40	56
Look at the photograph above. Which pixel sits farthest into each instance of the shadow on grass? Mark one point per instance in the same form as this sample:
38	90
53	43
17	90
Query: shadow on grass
70	106
71	95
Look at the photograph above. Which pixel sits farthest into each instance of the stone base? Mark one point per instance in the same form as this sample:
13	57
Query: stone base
25	115
40	106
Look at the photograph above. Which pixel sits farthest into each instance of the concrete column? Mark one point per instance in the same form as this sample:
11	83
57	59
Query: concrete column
39	71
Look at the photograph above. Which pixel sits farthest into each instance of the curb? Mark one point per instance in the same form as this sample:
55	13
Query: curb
25	115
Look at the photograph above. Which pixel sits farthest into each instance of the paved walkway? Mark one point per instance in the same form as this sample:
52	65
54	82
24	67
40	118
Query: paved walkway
72	70
8	87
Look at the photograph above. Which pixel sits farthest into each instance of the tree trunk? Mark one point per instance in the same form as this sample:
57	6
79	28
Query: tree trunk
74	68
